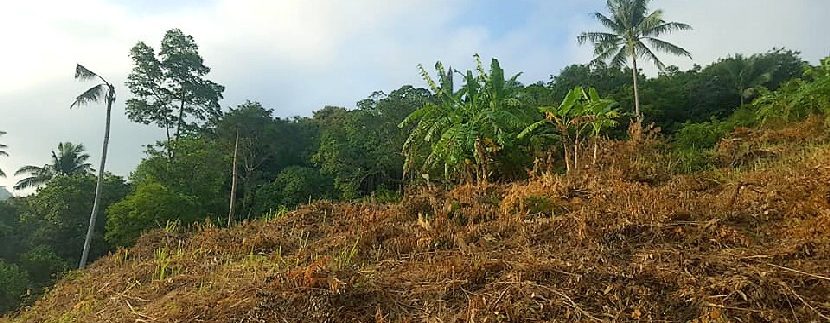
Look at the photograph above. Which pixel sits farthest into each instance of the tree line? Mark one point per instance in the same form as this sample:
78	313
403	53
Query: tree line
476	126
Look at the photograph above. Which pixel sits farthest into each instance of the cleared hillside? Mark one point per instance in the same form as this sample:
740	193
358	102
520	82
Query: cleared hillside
622	241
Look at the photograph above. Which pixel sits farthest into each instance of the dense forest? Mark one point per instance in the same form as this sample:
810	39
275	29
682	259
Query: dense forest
476	127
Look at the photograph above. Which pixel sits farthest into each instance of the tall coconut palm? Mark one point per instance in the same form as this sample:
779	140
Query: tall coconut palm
3	153
102	91
68	160
632	32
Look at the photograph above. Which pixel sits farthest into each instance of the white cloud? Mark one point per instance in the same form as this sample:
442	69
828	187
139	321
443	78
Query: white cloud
297	56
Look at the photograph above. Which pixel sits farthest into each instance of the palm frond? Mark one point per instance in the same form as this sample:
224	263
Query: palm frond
619	60
84	74
30	170
644	51
93	94
664	28
598	38
30	182
667	47
608	22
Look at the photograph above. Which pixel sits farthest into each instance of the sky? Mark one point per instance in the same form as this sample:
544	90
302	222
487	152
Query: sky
296	56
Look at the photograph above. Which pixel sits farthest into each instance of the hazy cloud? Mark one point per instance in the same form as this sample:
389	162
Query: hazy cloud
296	56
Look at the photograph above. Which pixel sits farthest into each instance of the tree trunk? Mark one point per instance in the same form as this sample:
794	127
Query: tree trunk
635	74
576	153
481	157
594	161
180	121
567	156
231	208
99	184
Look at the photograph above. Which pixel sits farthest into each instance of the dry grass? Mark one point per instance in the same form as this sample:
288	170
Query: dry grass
749	245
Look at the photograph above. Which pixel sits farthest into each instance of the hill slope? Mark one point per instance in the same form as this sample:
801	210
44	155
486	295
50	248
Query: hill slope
724	245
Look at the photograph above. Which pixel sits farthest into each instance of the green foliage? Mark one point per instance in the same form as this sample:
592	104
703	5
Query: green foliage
468	131
59	213
748	76
360	149
198	173
583	113
798	98
12	232
613	82
13	284
70	159
170	88
293	186
43	264
151	205
164	262
267	145
701	135
632	32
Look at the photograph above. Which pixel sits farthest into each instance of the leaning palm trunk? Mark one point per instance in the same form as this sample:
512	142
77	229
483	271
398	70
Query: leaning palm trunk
232	203
634	72
106	91
110	97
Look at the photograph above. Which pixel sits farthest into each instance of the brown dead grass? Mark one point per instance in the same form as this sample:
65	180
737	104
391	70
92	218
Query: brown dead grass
749	245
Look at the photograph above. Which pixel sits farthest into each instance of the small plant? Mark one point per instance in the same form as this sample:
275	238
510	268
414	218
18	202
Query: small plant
346	256
276	214
171	226
164	260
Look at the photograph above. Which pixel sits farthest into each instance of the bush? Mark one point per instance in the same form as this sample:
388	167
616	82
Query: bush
293	186
13	284
700	135
42	264
152	205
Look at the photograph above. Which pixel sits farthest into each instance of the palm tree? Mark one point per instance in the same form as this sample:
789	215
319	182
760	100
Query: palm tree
3	153
106	91
631	27
68	160
747	75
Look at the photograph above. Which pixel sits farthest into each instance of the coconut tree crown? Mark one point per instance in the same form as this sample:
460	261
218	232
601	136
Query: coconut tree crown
68	160
632	32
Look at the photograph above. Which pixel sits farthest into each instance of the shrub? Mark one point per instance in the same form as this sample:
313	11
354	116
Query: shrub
42	264
13	284
152	205
293	186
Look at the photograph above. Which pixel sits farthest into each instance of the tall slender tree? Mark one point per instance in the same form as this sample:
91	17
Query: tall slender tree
632	33
170	87
103	91
68	160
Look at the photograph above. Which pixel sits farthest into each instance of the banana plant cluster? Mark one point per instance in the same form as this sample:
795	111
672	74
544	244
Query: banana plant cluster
583	115
464	133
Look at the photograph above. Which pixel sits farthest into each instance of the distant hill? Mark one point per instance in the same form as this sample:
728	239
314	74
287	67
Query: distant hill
4	194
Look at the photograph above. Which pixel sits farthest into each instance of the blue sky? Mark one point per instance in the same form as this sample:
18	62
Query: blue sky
298	55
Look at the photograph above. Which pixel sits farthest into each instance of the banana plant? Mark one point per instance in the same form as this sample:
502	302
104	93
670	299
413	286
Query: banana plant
581	113
464	131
